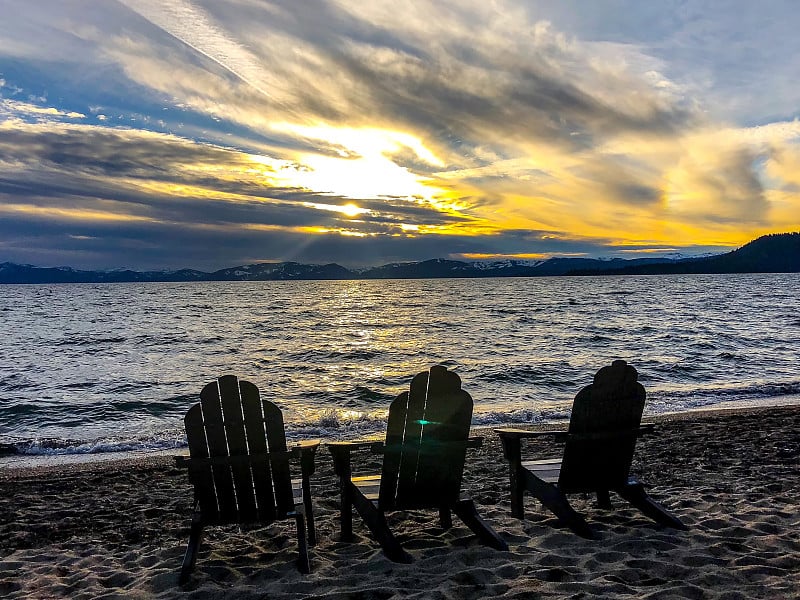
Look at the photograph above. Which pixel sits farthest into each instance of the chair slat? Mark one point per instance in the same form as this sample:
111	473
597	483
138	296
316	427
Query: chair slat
257	442
545	462
393	451
409	460
448	414
231	402
276	439
218	446
201	478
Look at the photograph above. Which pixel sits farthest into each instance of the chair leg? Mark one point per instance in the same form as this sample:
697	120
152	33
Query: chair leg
346	510
603	500
556	501
517	479
465	509
634	493
192	548
312	532
303	563
445	518
376	522
512	449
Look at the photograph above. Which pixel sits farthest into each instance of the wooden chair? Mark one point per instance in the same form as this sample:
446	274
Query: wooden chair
598	451
239	466
423	461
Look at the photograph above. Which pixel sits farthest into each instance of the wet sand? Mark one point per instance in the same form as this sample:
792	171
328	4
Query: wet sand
118	529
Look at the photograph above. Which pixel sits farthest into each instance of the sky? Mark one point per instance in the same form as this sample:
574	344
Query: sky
162	134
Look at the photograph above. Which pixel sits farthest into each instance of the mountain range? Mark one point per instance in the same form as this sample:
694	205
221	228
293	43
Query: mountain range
775	253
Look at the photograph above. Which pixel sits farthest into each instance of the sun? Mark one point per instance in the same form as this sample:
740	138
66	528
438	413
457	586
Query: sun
351	210
364	167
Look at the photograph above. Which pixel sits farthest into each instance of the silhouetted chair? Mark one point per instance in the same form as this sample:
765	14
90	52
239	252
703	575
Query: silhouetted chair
239	466
423	461
598	451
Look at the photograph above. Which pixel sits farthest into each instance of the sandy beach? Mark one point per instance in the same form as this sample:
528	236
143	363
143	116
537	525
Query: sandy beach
118	530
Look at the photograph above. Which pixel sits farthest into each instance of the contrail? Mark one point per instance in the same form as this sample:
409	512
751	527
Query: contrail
192	26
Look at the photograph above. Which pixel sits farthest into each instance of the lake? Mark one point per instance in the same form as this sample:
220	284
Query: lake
88	368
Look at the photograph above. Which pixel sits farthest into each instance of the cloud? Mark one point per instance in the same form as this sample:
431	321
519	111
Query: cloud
15	109
82	172
451	128
191	25
722	188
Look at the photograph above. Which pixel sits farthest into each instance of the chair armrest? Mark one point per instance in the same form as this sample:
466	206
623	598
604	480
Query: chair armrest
306	450
519	434
475	442
373	445
512	437
340	452
304	445
512	432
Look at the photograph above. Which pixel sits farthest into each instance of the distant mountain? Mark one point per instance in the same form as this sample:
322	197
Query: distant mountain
281	271
442	268
13	273
775	253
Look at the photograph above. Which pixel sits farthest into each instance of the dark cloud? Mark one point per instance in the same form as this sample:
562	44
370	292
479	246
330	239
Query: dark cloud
161	245
527	91
67	171
732	190
622	180
636	193
437	75
489	88
106	151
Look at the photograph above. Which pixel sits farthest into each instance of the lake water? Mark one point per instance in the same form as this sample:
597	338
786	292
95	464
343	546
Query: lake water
101	368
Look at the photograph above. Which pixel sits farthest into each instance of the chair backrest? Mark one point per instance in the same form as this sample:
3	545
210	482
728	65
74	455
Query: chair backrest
602	431
426	439
231	421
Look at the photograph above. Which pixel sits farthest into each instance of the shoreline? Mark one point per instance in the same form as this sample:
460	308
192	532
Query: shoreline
119	529
43	461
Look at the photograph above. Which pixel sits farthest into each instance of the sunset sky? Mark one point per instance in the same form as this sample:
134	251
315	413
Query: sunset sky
206	134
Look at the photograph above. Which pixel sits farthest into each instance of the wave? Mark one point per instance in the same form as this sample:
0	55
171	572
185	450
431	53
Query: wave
314	355
555	376
748	395
16	382
522	416
754	391
89	340
61	446
340	424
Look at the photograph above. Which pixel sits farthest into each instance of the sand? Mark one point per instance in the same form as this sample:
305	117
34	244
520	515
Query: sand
118	530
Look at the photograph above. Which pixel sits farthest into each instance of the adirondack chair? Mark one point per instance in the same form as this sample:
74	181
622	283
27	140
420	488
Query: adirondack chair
423	460
239	465
598	451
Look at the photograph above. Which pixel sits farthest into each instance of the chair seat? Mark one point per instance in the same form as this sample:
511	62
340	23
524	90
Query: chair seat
369	486
297	491
547	469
